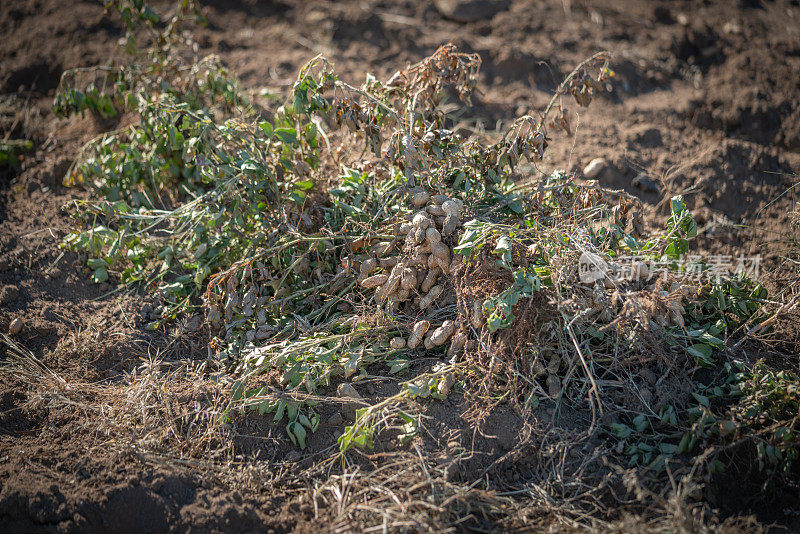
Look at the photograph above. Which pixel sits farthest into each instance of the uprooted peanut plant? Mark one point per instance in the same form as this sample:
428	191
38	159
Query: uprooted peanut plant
358	231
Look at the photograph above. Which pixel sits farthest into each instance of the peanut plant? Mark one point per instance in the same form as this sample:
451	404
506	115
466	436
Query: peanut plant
357	228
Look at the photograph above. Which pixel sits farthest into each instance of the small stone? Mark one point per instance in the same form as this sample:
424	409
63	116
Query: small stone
55	273
643	182
595	168
16	326
336	419
8	294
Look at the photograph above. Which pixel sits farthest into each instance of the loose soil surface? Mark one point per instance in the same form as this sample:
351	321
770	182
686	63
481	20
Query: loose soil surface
706	102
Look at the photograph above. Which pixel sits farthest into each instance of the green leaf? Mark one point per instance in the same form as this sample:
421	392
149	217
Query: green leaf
279	412
97	263
702	354
516	206
640	423
286	135
677	205
297	433
237	391
266	127
100	275
621	431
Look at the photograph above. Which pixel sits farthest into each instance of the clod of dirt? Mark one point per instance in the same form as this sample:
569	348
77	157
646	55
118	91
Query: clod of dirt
470	10
335	420
663	15
643	182
16	326
346	390
595	168
193	324
8	294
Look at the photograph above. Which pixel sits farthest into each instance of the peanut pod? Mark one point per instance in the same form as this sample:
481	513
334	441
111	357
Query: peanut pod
450	224
443	333
477	314
435	210
429	341
432	236
421	220
429	281
418	259
442	265
417	333
554	364
367	266
392	303
392	283
457	344
553	385
428	299
382	248
446	383
416	236
441	251
374	281
450	207
388	263
408	279
420	199
456	263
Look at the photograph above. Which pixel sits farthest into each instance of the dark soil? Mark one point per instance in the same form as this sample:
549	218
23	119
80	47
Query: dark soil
706	102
